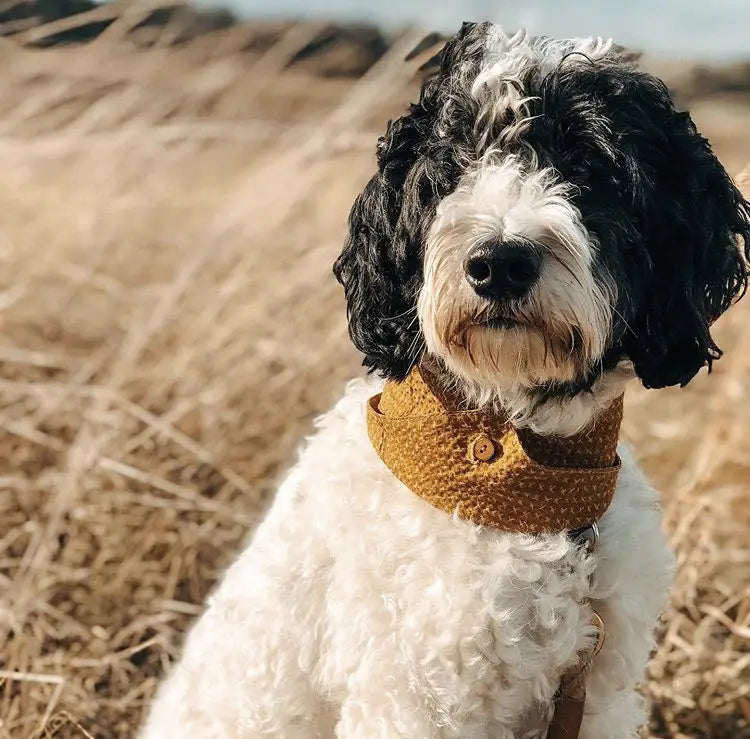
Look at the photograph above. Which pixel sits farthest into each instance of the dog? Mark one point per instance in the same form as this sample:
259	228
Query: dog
544	227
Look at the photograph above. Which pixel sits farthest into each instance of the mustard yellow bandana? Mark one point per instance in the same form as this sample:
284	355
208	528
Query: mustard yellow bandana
476	464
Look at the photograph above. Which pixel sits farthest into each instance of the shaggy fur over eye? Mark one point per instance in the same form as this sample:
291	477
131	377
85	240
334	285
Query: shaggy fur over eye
666	215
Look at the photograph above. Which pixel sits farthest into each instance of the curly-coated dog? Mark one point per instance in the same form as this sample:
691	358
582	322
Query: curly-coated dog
543	227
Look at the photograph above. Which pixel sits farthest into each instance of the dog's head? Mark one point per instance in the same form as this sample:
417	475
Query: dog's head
541	215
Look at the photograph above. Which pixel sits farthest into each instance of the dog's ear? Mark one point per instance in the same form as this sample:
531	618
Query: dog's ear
419	162
698	232
380	265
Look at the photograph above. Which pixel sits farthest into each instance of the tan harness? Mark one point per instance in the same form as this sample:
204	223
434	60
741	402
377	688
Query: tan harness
475	464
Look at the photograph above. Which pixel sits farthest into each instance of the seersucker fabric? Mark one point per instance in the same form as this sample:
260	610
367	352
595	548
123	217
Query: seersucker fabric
475	464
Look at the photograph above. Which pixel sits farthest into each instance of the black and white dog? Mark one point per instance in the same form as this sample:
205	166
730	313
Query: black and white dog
542	228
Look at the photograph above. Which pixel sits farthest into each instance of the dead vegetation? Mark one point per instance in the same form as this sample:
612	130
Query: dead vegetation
168	328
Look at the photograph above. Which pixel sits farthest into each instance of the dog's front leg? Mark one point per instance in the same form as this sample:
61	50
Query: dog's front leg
630	588
248	664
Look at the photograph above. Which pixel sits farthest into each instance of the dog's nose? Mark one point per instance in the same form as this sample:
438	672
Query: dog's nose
502	270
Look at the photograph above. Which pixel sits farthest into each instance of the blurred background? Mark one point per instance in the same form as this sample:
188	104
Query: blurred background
175	185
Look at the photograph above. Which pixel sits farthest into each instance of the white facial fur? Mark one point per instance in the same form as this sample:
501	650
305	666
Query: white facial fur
563	324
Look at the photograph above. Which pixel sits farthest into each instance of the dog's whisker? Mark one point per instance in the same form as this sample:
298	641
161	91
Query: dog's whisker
412	309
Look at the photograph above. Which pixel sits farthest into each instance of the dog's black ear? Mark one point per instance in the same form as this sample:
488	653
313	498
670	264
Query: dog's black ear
380	265
697	229
419	163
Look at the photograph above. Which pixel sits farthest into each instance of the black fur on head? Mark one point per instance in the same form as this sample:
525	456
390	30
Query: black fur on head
667	219
420	159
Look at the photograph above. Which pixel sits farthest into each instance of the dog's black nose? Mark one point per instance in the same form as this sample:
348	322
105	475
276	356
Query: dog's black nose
502	269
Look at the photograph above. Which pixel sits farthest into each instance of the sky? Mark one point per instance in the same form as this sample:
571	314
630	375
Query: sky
716	29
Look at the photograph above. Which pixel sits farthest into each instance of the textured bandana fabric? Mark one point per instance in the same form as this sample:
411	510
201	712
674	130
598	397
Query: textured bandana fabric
475	464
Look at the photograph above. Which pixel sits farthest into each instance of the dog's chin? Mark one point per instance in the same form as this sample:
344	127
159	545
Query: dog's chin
501	353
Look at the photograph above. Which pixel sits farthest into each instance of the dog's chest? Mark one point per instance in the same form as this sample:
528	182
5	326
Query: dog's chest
465	617
473	627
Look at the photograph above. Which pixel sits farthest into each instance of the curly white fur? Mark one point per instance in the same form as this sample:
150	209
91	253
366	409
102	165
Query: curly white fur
358	611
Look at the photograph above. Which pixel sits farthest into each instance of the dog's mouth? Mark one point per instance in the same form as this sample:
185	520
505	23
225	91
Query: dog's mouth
500	317
499	322
489	319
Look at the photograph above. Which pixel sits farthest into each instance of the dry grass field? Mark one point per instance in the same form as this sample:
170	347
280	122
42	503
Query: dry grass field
169	326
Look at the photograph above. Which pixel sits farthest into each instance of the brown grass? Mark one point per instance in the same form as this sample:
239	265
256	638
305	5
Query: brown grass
169	326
